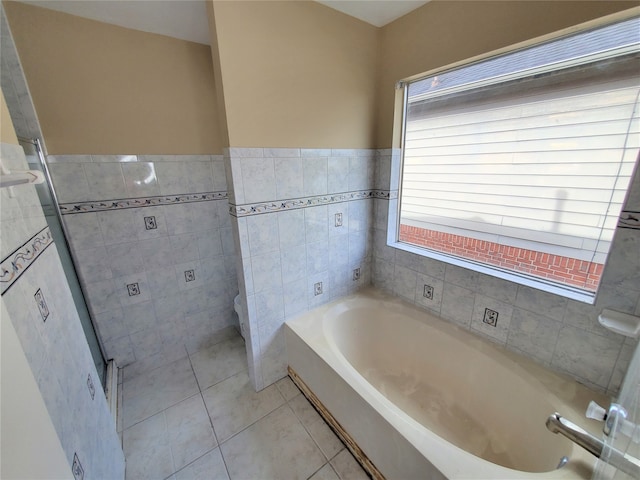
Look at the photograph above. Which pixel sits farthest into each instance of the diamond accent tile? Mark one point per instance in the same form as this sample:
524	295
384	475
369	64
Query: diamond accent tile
42	305
189	276
150	223
133	289
428	292
91	387
356	274
490	317
76	468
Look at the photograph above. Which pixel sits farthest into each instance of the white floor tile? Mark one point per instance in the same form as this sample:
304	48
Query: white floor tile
347	467
324	437
287	388
168	433
321	433
325	473
233	404
304	410
208	467
153	392
169	440
276	447
189	431
220	361
147	450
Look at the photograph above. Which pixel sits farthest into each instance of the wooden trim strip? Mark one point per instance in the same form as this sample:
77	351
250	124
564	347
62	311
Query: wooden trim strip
339	430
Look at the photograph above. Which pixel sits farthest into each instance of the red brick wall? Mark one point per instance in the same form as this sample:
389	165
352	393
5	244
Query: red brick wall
569	271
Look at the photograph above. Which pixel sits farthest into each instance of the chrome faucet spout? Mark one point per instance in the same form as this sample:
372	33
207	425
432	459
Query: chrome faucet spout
625	463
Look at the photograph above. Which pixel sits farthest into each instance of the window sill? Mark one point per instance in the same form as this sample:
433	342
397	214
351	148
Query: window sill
539	284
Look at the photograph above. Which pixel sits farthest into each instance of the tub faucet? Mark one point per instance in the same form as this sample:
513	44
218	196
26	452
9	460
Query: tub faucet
625	463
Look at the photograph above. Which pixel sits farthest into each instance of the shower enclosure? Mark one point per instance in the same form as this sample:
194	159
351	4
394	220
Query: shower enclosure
46	193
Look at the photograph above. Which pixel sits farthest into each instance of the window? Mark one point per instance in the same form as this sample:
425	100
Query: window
518	165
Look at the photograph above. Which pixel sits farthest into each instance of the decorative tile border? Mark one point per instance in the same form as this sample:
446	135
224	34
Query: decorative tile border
305	202
385	194
16	263
101	206
629	219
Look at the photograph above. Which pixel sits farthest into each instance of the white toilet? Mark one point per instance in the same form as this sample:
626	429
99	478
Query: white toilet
238	308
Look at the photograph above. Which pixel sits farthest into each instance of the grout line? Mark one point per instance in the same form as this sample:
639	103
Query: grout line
321	467
192	462
166	429
213	428
149	372
333	468
226	467
188	356
161	411
256	421
309	433
219	381
194	374
326	457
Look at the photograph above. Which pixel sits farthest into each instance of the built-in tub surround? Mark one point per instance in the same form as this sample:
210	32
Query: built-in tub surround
424	398
561	334
39	304
303	220
152	238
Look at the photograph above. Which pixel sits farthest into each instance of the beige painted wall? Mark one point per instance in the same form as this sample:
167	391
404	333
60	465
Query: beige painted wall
293	73
444	32
296	74
104	89
7	132
217	76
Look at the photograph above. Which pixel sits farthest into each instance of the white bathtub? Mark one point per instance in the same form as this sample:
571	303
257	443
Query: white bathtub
423	398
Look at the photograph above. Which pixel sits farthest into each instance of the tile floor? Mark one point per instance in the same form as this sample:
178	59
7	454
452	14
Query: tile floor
199	418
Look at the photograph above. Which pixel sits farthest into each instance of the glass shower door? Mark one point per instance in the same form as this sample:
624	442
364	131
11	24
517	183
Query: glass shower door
625	436
46	195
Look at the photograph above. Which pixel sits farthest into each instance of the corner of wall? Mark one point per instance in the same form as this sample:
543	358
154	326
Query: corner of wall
217	75
7	132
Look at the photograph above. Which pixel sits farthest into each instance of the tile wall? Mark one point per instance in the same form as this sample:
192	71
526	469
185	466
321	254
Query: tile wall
151	236
303	222
562	334
40	306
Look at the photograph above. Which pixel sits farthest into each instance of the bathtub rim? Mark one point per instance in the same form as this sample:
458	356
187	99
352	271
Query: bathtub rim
460	338
582	463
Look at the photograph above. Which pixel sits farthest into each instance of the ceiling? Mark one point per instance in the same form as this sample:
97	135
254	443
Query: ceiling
187	19
375	12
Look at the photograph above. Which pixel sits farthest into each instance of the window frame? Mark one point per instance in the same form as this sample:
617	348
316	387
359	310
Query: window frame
397	167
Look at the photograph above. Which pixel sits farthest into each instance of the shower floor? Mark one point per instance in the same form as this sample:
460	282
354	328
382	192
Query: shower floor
199	418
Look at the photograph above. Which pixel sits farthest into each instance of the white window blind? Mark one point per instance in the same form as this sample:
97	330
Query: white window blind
534	149
550	168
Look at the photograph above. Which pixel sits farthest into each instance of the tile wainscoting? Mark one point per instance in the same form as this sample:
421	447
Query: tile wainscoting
151	236
302	223
309	226
40	307
561	334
